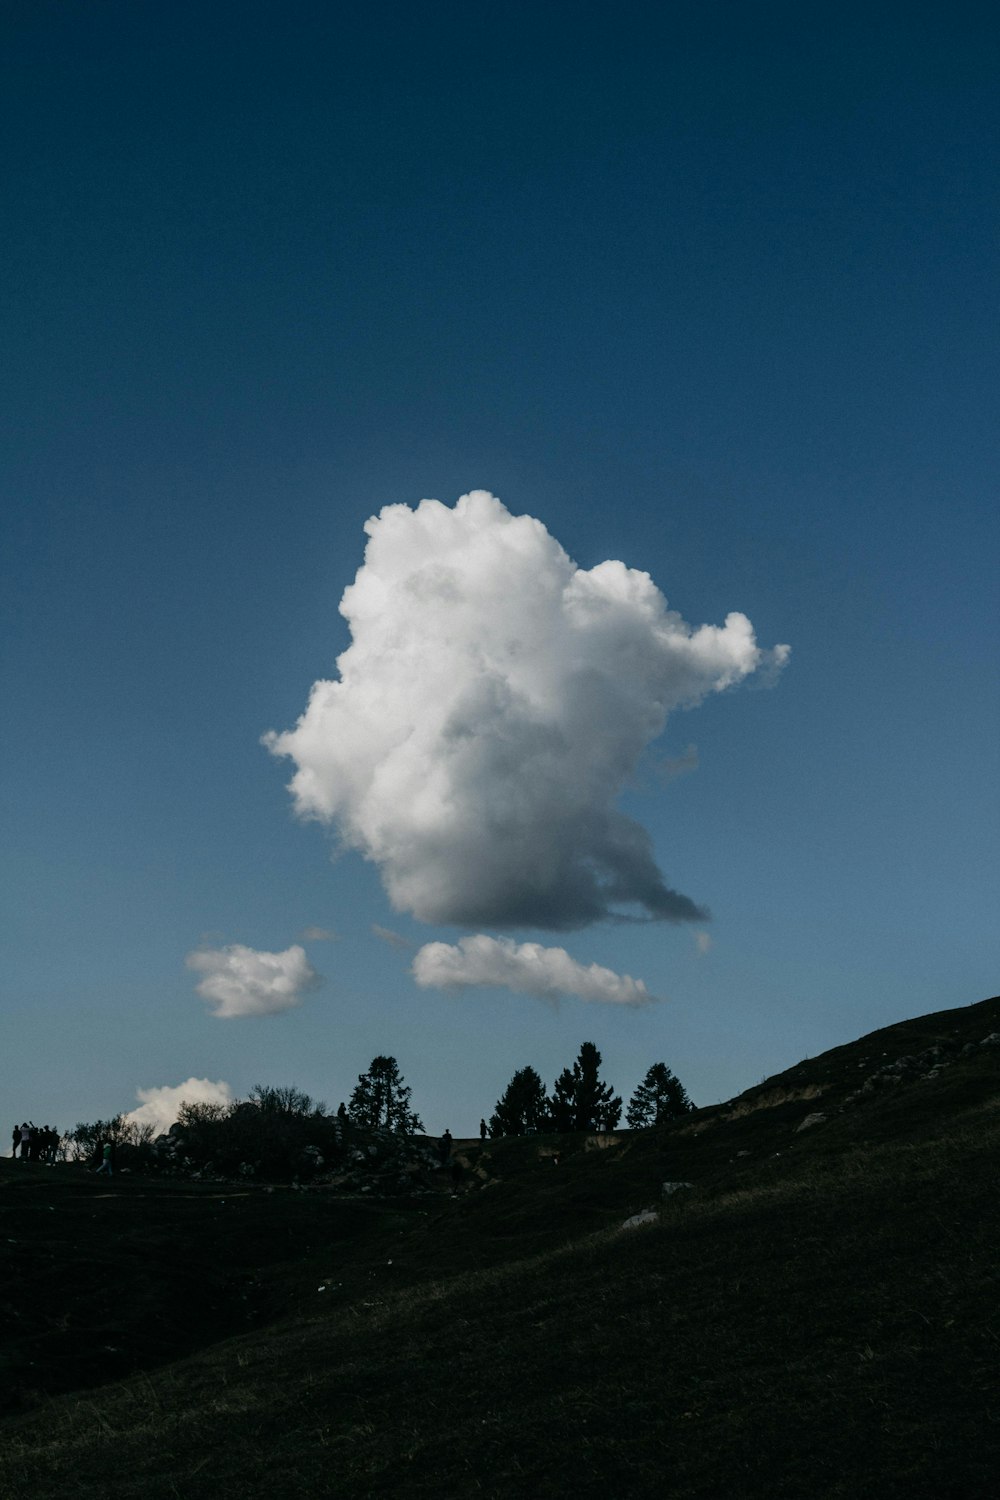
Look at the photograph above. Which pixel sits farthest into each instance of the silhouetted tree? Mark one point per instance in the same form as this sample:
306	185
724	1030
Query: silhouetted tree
520	1110
126	1136
579	1100
287	1100
659	1097
220	1133
269	1132
562	1102
381	1100
609	1113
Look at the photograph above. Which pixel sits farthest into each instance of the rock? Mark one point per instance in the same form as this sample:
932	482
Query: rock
667	1189
648	1216
810	1120
993	1040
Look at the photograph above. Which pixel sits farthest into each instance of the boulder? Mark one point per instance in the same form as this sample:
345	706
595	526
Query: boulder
648	1216
809	1121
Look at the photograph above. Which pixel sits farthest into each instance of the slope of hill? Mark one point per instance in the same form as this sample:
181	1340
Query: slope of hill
816	1314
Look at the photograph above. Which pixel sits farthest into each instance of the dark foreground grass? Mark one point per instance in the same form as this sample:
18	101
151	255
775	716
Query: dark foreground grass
818	1318
831	1331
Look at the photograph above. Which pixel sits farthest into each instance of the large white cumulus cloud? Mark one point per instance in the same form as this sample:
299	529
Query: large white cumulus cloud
242	981
526	968
493	702
160	1107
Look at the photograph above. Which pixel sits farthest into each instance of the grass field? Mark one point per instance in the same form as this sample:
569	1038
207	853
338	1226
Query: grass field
817	1315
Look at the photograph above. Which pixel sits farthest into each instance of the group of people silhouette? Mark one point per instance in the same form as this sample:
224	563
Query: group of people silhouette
35	1142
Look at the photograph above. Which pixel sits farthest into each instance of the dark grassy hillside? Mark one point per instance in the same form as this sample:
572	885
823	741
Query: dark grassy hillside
819	1314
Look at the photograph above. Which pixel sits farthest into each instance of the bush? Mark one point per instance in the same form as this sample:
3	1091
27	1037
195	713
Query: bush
131	1143
269	1133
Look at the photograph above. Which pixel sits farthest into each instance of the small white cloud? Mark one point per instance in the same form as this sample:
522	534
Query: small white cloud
525	968
703	941
317	935
242	981
394	939
161	1107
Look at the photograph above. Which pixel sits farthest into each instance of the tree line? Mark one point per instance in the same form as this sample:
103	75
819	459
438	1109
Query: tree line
581	1100
273	1127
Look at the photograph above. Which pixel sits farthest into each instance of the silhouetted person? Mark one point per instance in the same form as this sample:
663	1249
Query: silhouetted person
15	1140
444	1148
482	1130
106	1160
25	1141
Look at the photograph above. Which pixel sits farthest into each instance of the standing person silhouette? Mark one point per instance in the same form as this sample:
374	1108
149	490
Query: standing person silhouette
15	1140
106	1160
444	1147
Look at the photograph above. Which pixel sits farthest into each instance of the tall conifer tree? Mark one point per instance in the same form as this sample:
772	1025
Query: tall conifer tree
520	1110
381	1100
580	1101
660	1096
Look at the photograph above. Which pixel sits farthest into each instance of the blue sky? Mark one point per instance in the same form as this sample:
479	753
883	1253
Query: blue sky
709	290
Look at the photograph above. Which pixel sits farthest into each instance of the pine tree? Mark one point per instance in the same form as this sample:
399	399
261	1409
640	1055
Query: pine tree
381	1100
562	1103
659	1097
520	1110
609	1113
579	1100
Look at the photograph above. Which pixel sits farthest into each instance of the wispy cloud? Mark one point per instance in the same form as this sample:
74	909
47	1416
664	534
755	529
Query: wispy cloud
678	765
394	939
525	968
317	935
703	942
240	981
493	703
160	1107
